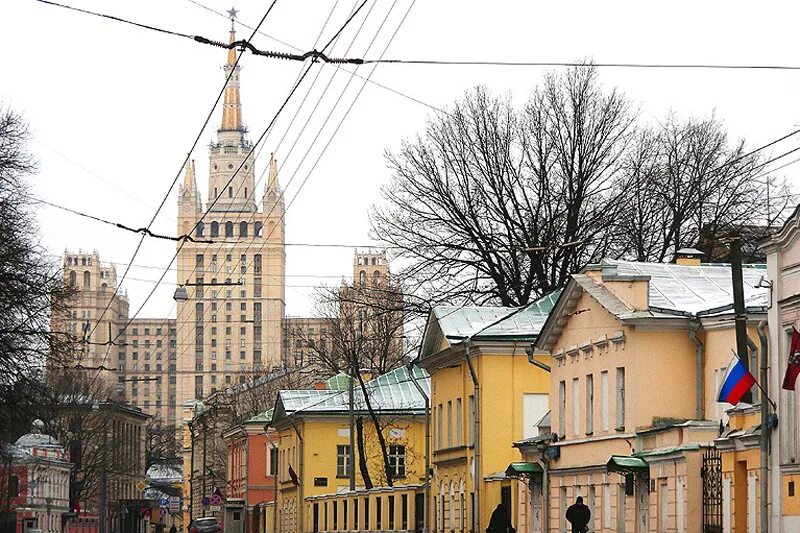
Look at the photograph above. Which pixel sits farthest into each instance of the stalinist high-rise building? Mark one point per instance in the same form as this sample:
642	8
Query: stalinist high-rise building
229	322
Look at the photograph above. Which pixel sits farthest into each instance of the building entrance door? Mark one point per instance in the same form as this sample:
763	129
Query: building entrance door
711	474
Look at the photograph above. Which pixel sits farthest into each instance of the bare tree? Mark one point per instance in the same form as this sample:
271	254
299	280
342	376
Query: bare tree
687	185
496	205
31	287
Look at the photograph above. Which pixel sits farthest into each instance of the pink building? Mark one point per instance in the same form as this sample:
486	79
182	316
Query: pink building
252	460
38	482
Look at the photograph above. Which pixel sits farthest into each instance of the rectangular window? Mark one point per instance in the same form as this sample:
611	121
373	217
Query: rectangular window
397	460
471	419
342	460
589	404
576	406
449	423
439	427
604	400
459	423
620	399
562	408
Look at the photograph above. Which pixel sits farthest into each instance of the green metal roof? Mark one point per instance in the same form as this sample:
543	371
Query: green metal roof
525	469
338	382
263	418
461	322
392	391
622	463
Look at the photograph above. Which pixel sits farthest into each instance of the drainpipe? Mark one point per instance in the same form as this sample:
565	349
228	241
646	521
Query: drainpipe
699	350
545	493
762	335
300	506
425	504
477	432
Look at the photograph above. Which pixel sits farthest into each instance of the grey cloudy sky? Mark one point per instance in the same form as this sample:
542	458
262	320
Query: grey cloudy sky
113	109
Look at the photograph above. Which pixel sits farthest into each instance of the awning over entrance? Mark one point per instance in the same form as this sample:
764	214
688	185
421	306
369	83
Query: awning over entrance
627	464
516	470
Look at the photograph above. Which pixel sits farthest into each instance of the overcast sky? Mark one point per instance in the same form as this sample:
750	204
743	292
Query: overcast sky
113	109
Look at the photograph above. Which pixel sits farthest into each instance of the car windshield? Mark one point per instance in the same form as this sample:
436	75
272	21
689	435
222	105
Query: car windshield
211	520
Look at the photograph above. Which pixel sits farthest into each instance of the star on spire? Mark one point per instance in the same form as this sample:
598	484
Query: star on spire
232	14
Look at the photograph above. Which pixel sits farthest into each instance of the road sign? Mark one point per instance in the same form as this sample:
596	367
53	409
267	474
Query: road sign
205	501
141	486
175	503
215	508
163	502
216	499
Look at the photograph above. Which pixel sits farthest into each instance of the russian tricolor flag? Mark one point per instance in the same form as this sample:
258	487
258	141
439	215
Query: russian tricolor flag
738	380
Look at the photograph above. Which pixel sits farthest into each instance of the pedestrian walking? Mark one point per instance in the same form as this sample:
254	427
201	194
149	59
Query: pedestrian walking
579	515
499	522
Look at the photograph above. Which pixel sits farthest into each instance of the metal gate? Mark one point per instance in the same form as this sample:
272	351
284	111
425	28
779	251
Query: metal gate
711	473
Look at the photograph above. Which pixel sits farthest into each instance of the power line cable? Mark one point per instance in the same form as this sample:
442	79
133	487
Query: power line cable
317	55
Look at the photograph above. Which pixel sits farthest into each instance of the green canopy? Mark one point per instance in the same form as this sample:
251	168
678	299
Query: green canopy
523	469
627	464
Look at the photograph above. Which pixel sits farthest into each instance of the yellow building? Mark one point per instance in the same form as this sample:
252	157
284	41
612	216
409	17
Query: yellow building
480	405
313	426
639	351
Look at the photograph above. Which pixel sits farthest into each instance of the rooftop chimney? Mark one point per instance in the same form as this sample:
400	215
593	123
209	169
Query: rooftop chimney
688	256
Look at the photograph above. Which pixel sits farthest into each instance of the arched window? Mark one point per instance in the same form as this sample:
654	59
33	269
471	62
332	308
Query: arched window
73	278
87	280
201	228
373	261
215	229
259	230
376	278
230	192
362	278
104	286
242	229
229	229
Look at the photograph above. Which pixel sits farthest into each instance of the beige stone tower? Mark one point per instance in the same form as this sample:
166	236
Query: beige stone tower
94	284
229	327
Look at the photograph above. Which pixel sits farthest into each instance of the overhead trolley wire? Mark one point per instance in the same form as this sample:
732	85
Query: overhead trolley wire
317	55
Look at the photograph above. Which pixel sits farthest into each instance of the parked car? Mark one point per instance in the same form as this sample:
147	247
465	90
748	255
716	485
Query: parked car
208	524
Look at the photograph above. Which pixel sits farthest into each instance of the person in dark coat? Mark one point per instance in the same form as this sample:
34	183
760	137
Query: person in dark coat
173	529
499	521
579	515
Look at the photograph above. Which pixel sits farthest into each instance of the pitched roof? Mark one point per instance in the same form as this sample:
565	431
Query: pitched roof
693	290
454	324
393	391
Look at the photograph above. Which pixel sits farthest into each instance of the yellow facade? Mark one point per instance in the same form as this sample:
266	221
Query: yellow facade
313	428
309	445
509	400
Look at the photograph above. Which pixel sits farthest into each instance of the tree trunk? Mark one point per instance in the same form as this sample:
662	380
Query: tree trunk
362	456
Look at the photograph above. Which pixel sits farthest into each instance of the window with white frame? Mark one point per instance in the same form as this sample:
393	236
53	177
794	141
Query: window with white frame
397	460
342	460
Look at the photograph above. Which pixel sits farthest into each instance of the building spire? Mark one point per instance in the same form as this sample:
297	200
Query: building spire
272	181
189	178
232	106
